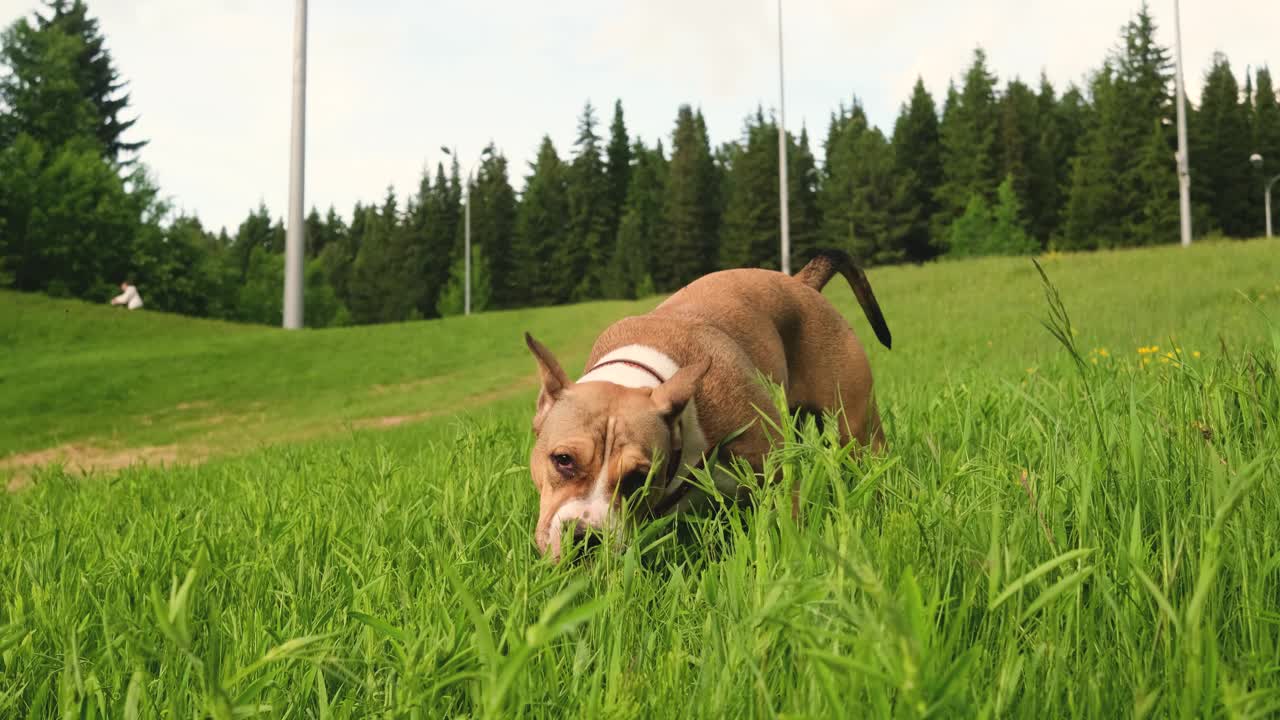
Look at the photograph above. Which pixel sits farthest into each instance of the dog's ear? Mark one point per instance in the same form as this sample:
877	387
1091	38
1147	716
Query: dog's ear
671	396
554	381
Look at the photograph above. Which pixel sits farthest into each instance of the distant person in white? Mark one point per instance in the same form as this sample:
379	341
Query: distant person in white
129	298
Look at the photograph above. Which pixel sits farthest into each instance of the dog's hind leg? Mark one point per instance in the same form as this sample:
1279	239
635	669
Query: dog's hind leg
832	375
855	403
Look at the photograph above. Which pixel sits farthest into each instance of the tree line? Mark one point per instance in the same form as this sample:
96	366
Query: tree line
995	168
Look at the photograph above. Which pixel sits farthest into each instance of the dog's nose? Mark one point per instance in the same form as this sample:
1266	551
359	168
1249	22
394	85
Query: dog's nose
585	535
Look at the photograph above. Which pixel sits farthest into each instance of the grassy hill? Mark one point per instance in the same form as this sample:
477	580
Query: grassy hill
96	377
1042	539
108	378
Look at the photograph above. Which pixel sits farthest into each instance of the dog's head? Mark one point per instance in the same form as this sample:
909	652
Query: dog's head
596	446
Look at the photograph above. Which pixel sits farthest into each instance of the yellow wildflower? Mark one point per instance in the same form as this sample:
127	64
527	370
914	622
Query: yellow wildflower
1103	352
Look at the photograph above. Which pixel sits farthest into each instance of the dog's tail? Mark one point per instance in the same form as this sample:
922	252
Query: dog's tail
826	264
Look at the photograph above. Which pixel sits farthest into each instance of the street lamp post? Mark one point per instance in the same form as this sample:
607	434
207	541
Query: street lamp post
1184	169
783	210
1256	159
466	233
295	242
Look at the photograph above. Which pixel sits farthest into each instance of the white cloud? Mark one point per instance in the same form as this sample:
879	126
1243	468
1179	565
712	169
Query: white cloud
391	81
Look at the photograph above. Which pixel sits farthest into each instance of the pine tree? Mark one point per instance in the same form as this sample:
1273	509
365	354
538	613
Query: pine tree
618	159
1220	145
750	225
260	295
96	75
255	232
584	256
802	197
1094	203
493	226
180	270
1019	132
452	300
382	286
1050	163
1246	101
313	233
750	221
323	309
1145	66
1110	187
362	219
1008	230
338	258
431	226
1072	116
446	224
717	197
968	133
917	152
60	82
688	245
968	235
631	266
1266	141
435	222
416	232
40	90
722	159
1266	118
335	258
1146	73
542	228
867	208
67	224
259	299
1157	219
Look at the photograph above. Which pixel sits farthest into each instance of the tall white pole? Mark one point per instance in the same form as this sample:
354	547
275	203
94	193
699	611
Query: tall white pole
1184	169
295	242
782	156
1268	202
466	302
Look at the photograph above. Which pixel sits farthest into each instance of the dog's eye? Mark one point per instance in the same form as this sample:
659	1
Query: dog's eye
563	462
633	481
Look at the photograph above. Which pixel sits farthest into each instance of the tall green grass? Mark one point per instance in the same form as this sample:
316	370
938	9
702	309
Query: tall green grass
1097	538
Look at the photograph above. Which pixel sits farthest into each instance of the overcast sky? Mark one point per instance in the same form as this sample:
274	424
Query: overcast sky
391	81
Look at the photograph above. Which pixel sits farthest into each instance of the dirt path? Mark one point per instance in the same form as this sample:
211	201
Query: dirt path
85	457
390	421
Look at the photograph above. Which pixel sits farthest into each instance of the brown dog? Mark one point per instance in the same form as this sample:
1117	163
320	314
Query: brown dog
662	389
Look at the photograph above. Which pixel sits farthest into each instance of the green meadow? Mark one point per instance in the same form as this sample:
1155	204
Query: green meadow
1078	515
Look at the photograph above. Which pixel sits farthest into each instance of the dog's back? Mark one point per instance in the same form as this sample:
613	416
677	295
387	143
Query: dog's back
765	321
